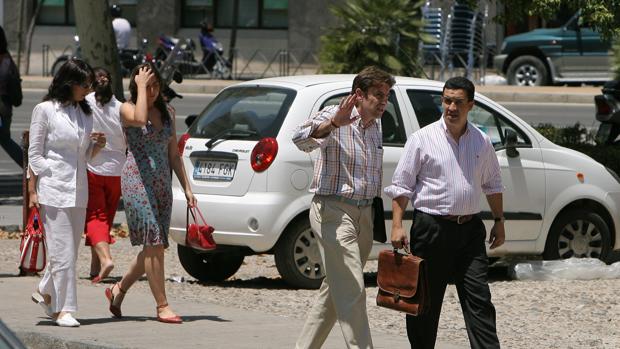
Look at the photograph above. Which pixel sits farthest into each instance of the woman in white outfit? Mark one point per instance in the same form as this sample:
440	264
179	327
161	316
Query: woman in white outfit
60	144
104	175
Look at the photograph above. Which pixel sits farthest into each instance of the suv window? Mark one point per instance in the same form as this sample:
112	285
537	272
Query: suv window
391	121
258	110
428	109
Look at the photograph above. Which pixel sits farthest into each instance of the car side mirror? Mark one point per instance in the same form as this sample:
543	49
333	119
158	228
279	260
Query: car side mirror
511	143
189	120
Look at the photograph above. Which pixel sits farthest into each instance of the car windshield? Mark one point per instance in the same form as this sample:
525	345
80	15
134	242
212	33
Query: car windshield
251	113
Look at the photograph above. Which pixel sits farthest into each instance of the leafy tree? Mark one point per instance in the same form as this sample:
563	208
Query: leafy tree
385	33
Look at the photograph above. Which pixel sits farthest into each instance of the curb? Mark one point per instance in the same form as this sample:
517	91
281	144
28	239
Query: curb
498	93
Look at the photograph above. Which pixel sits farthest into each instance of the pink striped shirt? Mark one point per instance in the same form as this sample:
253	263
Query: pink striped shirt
351	157
443	177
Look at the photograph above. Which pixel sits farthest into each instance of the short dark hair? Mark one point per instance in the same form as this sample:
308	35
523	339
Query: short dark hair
74	72
102	87
460	83
160	104
371	76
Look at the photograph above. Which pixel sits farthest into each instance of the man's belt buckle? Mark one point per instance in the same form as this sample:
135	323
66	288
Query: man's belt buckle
458	219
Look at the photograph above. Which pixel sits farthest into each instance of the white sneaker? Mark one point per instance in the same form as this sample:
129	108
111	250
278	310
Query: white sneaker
67	320
38	298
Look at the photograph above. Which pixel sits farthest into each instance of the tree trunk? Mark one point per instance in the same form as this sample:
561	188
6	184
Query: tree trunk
30	32
97	40
233	31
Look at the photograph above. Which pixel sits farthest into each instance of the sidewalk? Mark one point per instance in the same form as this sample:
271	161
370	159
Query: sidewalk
206	325
498	93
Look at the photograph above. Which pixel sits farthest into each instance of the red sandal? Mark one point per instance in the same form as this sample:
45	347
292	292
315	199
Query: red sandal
115	310
168	320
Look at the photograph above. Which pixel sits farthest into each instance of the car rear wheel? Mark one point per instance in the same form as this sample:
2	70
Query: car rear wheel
298	257
527	71
211	266
578	233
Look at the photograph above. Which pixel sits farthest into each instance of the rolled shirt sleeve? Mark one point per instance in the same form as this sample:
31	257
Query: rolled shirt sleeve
37	138
491	175
405	176
302	134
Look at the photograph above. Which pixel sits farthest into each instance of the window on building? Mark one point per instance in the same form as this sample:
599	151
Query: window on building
62	12
268	14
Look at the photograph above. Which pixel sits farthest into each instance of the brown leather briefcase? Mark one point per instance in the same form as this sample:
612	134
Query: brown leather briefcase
403	283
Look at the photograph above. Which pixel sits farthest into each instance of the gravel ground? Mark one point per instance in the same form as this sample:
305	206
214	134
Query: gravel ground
530	314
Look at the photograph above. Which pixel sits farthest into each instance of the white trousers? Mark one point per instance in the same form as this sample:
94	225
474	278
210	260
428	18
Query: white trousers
63	231
345	239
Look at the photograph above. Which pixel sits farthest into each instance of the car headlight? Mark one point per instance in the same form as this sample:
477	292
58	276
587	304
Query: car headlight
613	174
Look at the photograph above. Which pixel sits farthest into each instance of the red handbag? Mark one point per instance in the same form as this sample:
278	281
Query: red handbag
32	247
198	236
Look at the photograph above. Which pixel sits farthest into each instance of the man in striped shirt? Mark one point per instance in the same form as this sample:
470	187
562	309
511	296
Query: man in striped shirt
347	176
445	168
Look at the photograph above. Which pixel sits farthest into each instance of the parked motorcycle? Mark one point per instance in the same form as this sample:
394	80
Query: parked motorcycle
184	55
608	113
129	58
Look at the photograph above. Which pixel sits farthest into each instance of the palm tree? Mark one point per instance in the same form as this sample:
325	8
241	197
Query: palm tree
385	33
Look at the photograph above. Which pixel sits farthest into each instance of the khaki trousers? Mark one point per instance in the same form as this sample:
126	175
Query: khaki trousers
345	239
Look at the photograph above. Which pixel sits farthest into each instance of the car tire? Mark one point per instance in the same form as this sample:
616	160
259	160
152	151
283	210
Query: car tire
527	71
578	233
298	257
209	266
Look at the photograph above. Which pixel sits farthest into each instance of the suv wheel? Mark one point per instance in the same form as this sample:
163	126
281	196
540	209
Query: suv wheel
298	257
527	71
209	266
578	233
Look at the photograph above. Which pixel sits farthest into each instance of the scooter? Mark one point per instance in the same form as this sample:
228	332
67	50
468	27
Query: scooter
129	58
608	113
184	54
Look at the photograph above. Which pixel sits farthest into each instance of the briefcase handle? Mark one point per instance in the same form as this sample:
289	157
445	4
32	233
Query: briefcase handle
405	247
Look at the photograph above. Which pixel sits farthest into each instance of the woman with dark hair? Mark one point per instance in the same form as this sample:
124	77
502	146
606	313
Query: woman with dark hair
7	71
61	142
104	175
146	186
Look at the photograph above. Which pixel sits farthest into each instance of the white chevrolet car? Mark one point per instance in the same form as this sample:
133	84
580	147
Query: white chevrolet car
252	183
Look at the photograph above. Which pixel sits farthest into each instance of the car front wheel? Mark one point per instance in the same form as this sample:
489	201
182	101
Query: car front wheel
527	71
207	267
578	233
298	257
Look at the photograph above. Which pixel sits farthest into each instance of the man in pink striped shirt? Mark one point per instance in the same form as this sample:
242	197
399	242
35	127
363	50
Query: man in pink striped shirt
444	170
347	176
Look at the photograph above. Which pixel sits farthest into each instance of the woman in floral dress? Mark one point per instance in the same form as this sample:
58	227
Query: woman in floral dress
146	186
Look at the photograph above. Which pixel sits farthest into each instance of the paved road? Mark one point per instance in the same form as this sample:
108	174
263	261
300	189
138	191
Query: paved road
559	114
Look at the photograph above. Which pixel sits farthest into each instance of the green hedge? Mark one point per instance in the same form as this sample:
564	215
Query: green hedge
579	138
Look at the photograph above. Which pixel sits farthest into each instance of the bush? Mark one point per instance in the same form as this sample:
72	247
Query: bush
580	139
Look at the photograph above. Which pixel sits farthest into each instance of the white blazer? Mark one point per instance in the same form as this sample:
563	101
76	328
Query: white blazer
59	148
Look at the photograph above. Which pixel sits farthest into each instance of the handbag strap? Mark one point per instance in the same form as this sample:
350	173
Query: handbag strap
193	211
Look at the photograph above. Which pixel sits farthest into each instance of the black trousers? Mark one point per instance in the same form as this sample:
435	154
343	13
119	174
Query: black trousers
455	253
8	144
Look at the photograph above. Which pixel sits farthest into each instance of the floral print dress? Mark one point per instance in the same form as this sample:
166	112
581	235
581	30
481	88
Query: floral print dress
146	184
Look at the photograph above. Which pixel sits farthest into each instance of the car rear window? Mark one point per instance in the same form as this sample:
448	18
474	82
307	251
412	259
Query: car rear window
255	111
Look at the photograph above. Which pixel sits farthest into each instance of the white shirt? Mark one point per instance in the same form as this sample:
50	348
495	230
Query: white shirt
110	160
122	31
59	146
443	177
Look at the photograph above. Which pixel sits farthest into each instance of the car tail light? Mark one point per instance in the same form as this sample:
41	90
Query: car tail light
263	154
182	142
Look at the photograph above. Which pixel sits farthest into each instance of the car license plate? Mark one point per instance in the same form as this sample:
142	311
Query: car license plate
214	170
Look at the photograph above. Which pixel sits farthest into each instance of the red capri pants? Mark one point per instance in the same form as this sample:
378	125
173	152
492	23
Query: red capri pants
103	195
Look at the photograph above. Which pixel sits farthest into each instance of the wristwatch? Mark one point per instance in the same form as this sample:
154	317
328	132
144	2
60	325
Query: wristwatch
332	123
499	219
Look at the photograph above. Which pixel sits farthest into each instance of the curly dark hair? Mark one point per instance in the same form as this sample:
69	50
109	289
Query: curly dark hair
159	102
73	72
102	86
